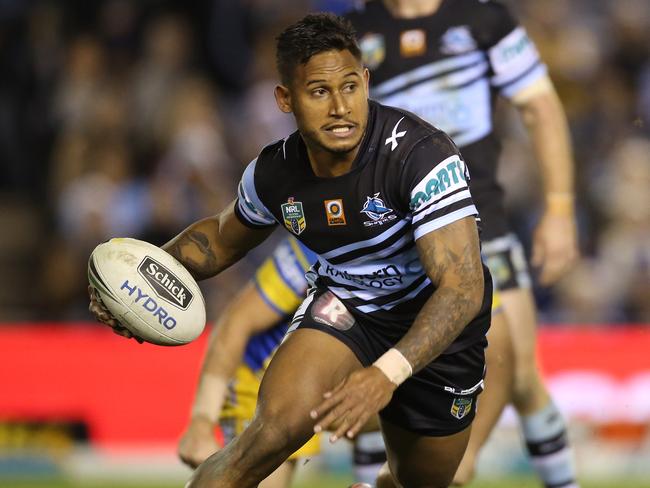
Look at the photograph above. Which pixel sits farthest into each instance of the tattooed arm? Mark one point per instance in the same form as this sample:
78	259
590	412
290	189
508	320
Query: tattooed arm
452	260
209	246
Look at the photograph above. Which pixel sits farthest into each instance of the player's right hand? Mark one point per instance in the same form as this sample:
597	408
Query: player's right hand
198	442
102	314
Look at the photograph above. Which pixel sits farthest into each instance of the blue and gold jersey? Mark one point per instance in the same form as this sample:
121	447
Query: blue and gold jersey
281	283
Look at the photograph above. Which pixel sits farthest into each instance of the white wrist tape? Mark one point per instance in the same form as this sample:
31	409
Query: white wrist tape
395	366
209	397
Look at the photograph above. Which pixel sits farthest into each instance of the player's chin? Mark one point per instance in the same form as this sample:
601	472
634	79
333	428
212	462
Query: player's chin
343	146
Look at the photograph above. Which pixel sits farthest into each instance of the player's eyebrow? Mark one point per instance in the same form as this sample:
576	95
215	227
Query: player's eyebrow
351	73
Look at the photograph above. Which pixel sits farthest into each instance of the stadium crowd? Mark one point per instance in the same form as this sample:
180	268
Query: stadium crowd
136	118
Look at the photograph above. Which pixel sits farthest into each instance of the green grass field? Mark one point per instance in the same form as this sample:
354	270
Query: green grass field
324	483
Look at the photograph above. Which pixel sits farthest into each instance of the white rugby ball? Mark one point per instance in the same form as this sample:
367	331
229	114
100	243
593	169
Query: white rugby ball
148	291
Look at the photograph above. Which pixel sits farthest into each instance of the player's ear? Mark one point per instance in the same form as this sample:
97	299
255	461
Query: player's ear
283	98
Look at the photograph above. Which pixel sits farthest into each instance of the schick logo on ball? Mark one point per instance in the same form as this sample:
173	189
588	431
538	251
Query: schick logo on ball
165	284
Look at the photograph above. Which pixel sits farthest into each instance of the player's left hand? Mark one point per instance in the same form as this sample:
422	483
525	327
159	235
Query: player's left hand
352	402
555	247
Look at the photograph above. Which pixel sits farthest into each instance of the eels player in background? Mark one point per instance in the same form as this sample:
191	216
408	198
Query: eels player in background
447	61
243	340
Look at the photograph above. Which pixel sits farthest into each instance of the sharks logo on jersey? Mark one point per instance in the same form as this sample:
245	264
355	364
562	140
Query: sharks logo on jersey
375	209
457	40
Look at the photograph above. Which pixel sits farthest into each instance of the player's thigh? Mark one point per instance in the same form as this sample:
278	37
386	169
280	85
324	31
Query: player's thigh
418	461
499	355
505	258
307	364
520	313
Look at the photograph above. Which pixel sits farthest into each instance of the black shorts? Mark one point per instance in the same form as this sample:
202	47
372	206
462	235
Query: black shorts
439	400
505	257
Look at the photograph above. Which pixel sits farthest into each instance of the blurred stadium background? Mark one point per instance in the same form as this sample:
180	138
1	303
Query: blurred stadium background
135	118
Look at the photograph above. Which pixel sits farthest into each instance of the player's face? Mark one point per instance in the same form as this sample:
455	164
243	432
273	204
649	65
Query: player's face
329	99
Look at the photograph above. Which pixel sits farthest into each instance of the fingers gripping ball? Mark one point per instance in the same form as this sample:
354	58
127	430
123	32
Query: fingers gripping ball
147	291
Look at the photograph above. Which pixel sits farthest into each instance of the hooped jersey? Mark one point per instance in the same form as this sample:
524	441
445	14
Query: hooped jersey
408	180
280	280
448	68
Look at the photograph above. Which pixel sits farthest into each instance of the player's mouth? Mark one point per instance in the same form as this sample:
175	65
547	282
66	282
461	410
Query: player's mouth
341	131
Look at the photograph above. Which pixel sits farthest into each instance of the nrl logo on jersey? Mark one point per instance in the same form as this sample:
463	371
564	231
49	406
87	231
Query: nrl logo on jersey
460	407
373	50
293	216
457	40
378	212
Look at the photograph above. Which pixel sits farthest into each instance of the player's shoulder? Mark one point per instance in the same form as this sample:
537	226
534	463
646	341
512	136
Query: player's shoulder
276	151
402	130
487	19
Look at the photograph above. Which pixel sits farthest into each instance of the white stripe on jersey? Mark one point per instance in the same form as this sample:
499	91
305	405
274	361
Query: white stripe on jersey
462	195
445	220
367	243
427	71
512	56
249	204
531	77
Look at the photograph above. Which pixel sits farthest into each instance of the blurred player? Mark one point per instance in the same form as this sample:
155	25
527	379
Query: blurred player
446	61
241	346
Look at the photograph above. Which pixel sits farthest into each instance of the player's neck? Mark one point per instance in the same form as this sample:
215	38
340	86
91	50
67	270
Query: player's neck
410	9
325	164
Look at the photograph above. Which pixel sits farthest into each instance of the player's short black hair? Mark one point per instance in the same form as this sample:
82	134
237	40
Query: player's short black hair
314	34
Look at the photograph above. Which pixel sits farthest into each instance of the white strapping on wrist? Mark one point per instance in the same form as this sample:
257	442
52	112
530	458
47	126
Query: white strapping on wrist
209	397
395	366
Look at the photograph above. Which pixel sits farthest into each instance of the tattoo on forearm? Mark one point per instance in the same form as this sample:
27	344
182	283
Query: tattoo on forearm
449	309
192	248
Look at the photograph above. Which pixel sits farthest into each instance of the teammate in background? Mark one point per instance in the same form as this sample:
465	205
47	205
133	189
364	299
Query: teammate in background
400	303
242	344
446	61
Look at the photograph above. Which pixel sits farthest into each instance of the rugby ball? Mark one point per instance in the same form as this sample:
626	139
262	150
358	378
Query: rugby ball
147	291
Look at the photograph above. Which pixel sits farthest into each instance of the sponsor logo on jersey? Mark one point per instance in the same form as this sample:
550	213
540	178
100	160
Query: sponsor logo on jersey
293	215
460	407
334	212
165	283
378	212
413	43
457	40
386	277
448	175
392	140
373	50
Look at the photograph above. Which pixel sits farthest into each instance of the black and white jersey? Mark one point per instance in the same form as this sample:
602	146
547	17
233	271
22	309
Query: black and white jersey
448	68
408	180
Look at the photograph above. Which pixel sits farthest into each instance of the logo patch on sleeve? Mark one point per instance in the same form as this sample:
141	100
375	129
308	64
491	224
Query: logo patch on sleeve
449	175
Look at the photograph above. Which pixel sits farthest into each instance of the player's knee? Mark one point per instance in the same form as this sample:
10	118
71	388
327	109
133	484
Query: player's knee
284	430
526	383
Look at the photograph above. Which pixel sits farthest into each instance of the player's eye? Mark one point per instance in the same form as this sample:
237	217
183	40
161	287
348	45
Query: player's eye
349	88
319	92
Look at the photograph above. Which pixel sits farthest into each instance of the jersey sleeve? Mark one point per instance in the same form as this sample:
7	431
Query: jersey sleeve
249	208
435	181
514	60
281	278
